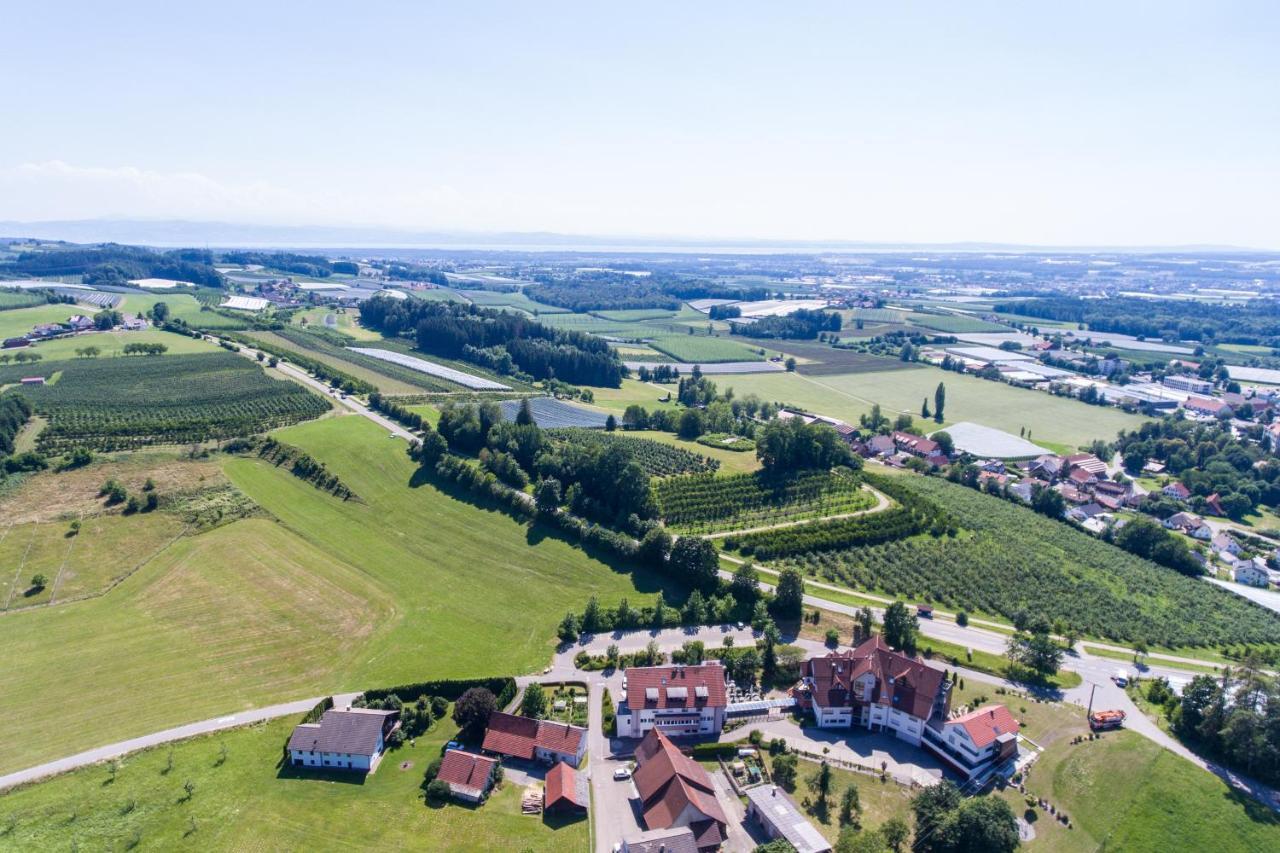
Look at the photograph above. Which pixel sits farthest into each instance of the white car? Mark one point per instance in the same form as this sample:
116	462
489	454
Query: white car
1121	678
622	774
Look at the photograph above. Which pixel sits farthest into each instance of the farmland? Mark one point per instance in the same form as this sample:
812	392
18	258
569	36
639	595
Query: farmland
510	299
550	413
706	504
636	314
290	351
12	299
20	320
182	306
113	343
247	802
332	349
954	323
696	349
432	369
1007	559
119	403
657	459
338	319
1045	418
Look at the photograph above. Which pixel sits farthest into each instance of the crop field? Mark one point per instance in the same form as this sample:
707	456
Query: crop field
1040	417
106	549
594	325
241	616
436	371
383	382
386	376
1007	559
246	802
550	413
823	360
657	459
515	299
637	314
954	323
11	299
696	349
121	403
707	504
113	343
405	347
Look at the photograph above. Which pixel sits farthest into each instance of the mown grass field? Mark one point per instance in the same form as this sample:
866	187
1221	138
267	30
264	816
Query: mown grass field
731	461
702	349
113	343
246	803
1125	792
344	321
183	306
411	584
20	320
994	404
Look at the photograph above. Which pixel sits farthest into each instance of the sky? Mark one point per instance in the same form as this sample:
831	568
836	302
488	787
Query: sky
1135	123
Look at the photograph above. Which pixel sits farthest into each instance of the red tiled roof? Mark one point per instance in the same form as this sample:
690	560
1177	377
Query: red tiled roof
562	785
986	724
662	686
1080	475
901	682
915	444
466	769
1202	405
519	736
669	782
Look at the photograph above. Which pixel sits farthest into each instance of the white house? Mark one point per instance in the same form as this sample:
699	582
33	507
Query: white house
1226	543
1251	573
343	740
679	700
875	688
975	742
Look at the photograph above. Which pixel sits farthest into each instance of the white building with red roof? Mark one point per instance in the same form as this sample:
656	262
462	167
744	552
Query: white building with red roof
874	687
975	742
680	700
535	740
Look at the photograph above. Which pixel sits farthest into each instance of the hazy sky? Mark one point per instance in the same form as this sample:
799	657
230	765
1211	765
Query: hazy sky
1062	123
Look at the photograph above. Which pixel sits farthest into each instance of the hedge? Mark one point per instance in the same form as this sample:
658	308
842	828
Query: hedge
503	687
703	751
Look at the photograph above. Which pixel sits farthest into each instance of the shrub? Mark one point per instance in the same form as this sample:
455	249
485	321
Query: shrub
438	791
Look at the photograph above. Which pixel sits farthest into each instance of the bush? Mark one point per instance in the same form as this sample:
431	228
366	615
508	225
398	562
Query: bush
705	751
438	791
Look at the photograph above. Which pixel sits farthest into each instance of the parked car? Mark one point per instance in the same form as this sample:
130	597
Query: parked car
1121	678
622	773
453	744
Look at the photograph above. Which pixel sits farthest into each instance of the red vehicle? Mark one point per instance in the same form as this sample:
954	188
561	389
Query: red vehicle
1103	720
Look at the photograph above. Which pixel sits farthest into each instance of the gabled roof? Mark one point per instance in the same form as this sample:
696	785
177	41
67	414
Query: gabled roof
1201	404
1177	489
661	687
678	839
915	443
563	788
670	782
986	724
901	682
466	770
1088	462
355	731
520	736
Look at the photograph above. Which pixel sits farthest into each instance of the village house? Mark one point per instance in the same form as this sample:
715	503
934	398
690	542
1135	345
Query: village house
1251	572
879	445
1086	462
916	445
1213	505
468	775
1177	491
1190	524
1206	406
676	791
680	700
1046	467
1225	542
678	839
566	791
530	739
80	323
343	740
977	741
1081	479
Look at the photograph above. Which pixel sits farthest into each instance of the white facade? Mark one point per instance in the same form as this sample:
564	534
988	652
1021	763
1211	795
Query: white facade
337	760
1249	573
674	722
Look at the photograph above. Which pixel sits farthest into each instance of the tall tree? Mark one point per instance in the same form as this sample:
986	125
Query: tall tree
939	401
789	594
900	627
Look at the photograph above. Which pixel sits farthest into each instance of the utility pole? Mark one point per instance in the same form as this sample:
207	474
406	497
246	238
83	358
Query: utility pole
1093	690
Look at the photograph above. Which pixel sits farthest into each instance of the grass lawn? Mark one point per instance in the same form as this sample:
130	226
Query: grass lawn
1127	657
248	803
1124	792
113	343
241	616
880	800
649	396
183	306
994	404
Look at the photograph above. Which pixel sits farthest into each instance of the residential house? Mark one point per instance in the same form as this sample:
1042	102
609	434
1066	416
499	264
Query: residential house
1081	479
1023	490
1085	512
346	740
1119	491
779	817
565	791
915	445
530	739
1251	572
1225	542
1087	462
468	775
80	323
880	445
134	323
1206	406
677	839
1046	467
680	700
1190	524
676	791
976	742
1153	467
1177	491
875	688
1071	494
1212	504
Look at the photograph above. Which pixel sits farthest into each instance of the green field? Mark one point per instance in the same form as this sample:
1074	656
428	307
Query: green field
994	404
954	323
384	383
637	314
1124	792
20	320
514	299
701	349
248	802
113	343
731	461
182	306
344	321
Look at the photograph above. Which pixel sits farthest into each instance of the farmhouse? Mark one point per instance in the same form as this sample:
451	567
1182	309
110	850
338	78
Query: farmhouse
675	791
779	818
875	688
566	791
1177	491
1086	462
915	445
468	775
527	738
1251	573
680	700
348	740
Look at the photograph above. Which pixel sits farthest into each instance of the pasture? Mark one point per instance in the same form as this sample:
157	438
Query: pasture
344	320
1042	417
19	321
182	306
113	343
248	802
